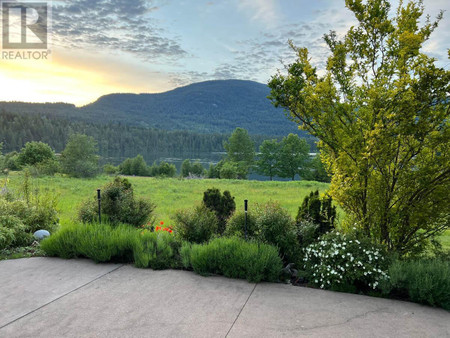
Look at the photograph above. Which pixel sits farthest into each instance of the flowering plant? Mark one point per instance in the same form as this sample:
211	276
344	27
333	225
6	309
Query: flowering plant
151	228
338	261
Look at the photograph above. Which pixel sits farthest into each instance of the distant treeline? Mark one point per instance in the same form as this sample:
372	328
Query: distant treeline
114	140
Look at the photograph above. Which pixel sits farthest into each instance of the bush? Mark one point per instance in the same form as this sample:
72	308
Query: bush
192	169
425	281
318	210
157	250
236	225
107	243
134	166
118	205
235	258
346	263
36	152
99	242
222	205
196	225
164	169
269	223
110	169
21	216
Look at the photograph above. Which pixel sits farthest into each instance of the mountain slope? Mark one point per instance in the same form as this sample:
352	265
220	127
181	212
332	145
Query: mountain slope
206	107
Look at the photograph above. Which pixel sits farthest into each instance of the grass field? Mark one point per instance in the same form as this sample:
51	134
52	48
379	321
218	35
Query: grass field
171	194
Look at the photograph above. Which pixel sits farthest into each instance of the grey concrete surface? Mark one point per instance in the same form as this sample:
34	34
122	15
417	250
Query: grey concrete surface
44	297
288	311
27	284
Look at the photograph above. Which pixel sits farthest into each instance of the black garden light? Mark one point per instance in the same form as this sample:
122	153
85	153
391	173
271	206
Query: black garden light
246	210
99	206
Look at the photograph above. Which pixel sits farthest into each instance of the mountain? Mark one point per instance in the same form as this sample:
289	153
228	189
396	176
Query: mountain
205	107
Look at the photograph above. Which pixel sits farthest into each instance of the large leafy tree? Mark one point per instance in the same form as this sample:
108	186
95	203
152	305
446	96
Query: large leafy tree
268	158
79	158
293	157
381	113
240	150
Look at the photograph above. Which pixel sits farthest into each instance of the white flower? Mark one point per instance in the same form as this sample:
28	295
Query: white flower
316	281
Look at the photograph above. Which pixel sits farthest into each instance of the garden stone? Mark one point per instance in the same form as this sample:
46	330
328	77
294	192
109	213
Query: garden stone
41	234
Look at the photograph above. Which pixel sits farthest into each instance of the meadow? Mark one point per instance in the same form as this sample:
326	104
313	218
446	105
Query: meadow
171	194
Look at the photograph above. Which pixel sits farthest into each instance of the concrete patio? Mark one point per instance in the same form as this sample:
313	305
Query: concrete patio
51	297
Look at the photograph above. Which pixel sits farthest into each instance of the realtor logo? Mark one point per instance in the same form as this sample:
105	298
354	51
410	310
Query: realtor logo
25	25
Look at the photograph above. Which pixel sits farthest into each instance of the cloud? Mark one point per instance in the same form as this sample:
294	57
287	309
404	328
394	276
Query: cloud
115	25
264	11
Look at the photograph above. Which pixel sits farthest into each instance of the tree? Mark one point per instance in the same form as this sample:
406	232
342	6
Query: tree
36	152
380	112
268	159
318	172
241	150
293	156
79	158
188	168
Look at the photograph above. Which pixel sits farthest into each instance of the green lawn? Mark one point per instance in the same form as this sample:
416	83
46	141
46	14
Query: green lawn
170	194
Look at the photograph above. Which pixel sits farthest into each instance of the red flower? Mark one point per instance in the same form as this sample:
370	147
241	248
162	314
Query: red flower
162	223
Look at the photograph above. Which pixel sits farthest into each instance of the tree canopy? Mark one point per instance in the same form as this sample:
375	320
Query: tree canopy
79	158
381	114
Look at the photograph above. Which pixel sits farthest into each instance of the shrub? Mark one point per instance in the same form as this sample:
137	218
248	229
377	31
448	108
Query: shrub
318	210
425	281
13	232
222	205
276	227
35	152
110	169
195	225
268	223
235	258
118	205
99	242
192	169
21	216
164	169
344	262
236	225
157	250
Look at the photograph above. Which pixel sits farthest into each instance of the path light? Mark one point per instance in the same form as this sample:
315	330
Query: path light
245	208
99	206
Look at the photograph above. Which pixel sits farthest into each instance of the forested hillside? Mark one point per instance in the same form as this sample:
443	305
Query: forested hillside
205	107
115	141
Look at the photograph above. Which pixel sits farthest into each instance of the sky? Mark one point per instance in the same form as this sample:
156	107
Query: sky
148	46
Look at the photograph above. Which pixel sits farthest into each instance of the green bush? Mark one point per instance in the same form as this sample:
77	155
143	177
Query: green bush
345	262
235	258
425	281
110	169
195	225
271	224
156	250
236	225
36	152
108	243
318	210
118	205
99	242
21	216
222	205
